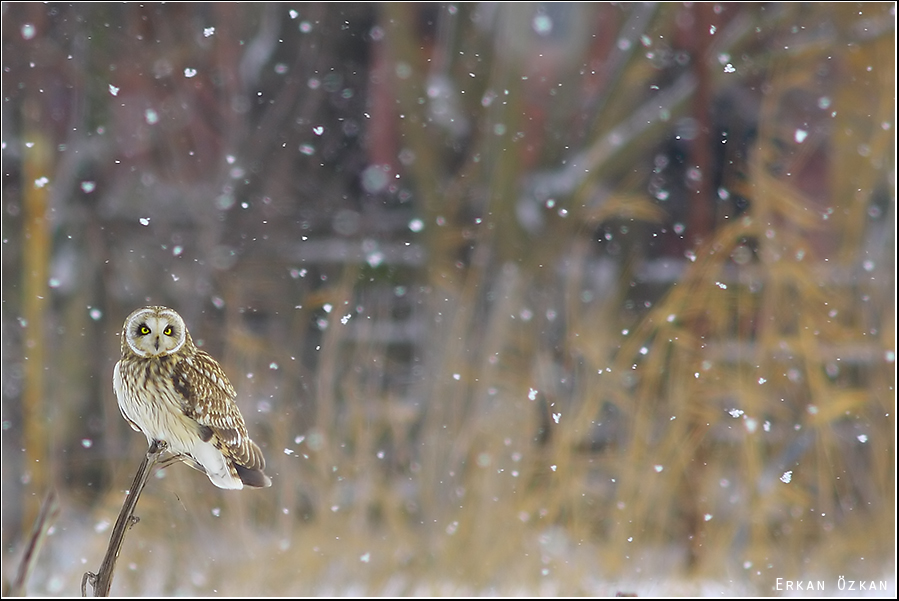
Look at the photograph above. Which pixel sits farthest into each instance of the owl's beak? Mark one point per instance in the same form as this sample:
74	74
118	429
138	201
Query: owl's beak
156	344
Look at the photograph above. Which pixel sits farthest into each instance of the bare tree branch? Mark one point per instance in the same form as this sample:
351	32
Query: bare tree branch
48	514
101	582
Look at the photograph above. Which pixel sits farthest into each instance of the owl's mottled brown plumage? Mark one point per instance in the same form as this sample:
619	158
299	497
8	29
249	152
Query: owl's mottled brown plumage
172	391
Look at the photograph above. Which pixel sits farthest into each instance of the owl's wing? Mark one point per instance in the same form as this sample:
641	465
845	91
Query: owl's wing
209	399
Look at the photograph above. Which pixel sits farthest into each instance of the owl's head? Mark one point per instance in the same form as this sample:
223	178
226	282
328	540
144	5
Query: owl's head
154	332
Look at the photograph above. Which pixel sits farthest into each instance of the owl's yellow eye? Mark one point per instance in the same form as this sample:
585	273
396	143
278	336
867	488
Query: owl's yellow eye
143	330
168	331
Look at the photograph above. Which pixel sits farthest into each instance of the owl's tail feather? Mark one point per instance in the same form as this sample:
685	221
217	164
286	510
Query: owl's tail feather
254	478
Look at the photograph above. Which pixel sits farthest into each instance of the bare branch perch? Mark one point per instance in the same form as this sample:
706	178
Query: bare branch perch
101	582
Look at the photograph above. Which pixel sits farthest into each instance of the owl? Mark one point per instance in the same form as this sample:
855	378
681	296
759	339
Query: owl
172	391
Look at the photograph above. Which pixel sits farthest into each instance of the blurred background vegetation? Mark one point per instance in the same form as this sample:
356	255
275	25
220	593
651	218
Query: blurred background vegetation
518	298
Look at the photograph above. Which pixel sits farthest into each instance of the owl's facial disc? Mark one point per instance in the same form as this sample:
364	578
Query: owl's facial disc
155	334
